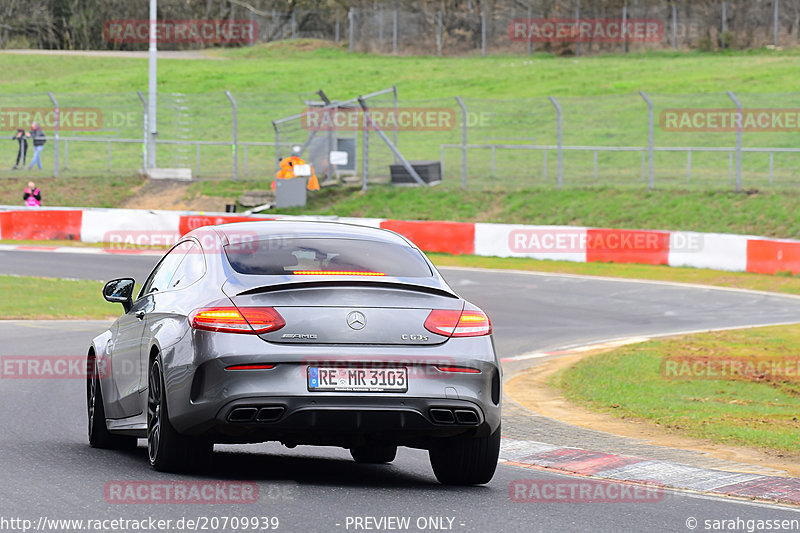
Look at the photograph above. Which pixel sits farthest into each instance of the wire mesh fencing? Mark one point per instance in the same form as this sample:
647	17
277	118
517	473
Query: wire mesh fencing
708	140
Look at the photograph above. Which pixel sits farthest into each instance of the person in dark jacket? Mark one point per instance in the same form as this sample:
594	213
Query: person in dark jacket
39	138
32	196
22	153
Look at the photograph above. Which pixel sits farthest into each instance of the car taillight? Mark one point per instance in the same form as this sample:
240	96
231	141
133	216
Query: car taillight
461	369
251	320
471	322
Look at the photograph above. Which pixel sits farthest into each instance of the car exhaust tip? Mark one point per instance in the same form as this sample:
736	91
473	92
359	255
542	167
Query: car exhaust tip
465	417
242	414
442	416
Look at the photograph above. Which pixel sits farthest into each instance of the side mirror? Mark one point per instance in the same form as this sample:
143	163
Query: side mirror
120	291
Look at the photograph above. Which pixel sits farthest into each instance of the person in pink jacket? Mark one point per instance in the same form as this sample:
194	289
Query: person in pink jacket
32	195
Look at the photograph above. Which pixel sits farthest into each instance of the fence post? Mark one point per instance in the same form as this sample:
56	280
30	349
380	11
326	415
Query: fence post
152	87
463	142
394	33
439	34
294	25
577	25
235	146
337	27
724	23
379	16
396	112
650	137
527	26
688	166
771	163
559	125
483	33
277	147
738	139
674	26
775	21
624	23
56	110
144	130
364	153
351	29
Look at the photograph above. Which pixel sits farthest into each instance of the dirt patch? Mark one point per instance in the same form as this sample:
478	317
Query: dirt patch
173	195
530	389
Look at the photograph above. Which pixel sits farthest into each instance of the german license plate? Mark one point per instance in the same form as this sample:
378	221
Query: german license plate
357	379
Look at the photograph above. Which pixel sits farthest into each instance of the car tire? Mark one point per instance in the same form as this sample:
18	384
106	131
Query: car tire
99	436
373	454
466	460
168	450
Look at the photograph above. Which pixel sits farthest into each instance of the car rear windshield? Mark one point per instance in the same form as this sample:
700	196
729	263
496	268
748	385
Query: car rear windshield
326	256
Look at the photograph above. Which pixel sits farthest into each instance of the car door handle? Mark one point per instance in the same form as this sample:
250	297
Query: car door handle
139	315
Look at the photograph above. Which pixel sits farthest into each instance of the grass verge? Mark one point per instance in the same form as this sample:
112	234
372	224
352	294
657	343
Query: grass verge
52	299
757	410
97	191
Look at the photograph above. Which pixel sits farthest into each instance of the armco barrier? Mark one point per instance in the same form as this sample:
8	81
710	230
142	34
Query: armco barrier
627	246
445	237
770	257
738	253
41	225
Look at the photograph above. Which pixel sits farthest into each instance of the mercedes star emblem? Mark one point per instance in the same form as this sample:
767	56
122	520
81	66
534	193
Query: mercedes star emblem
356	320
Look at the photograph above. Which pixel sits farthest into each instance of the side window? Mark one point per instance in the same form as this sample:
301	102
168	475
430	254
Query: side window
160	277
191	268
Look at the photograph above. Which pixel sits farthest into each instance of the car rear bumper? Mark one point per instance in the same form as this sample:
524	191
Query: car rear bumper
346	420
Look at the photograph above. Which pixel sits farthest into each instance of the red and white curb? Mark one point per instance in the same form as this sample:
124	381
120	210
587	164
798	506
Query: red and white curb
664	474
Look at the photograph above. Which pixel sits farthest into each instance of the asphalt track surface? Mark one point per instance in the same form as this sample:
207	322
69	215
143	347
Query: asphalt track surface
48	470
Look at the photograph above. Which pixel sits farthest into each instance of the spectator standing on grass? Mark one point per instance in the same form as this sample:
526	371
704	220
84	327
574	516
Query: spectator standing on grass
32	196
39	138
22	153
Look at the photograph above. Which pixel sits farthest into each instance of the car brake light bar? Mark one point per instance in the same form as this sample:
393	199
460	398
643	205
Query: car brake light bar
336	273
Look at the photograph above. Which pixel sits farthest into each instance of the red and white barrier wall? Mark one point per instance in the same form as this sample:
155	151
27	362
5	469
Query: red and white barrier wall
563	243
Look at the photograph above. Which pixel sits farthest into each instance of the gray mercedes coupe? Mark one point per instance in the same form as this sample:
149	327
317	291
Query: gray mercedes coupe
315	333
